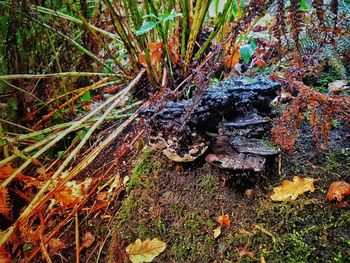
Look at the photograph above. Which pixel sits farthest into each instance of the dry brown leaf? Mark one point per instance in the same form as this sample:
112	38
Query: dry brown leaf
7	170
142	59
88	240
244	252
290	190
233	59
155	54
337	86
154	46
173	47
56	245
72	193
337	191
217	232
145	251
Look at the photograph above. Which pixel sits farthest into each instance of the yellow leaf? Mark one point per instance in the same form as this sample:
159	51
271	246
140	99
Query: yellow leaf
291	190
217	232
145	251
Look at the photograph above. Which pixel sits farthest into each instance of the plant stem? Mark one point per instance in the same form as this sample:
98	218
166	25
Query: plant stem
217	27
201	8
59	14
66	132
62	75
185	24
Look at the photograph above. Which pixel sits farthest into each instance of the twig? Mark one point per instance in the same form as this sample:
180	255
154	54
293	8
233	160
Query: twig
258	227
64	221
16	125
77	245
45	253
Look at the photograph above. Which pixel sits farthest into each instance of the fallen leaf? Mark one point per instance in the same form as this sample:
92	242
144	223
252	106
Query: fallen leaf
224	220
72	193
88	240
154	46
56	245
337	191
337	86
291	190
244	252
173	47
260	63
142	59
233	55
232	60
155	54
217	232
145	251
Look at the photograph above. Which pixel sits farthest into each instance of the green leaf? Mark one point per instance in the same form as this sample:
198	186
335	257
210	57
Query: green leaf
304	5
56	116
235	8
39	137
146	27
151	15
171	16
86	97
60	154
27	247
247	51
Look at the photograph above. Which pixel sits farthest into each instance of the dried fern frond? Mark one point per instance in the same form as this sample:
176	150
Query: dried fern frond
323	110
5	202
318	5
296	20
279	28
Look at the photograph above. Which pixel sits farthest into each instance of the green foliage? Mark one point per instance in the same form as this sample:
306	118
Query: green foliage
304	5
248	50
86	97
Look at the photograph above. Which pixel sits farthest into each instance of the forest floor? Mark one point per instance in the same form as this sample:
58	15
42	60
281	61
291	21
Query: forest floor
180	203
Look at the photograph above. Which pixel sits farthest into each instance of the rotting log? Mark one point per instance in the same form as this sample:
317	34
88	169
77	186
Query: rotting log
230	120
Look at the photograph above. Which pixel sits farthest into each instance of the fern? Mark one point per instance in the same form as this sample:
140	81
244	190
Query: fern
331	56
343	44
324	109
5	204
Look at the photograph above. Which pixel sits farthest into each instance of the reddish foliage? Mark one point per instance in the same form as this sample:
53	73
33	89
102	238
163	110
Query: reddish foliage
5	203
322	110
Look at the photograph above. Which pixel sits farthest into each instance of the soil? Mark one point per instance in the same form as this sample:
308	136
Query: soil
180	203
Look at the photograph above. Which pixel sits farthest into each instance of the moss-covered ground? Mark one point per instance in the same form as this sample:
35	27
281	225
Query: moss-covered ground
179	204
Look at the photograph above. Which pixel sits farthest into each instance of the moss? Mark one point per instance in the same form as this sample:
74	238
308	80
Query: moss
137	187
210	185
144	166
308	229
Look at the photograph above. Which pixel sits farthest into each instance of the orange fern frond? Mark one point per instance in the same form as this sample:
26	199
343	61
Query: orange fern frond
5	202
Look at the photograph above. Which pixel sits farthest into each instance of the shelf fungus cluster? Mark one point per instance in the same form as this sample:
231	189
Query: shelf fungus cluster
229	125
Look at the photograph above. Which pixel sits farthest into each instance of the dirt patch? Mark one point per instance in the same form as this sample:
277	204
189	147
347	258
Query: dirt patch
179	204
